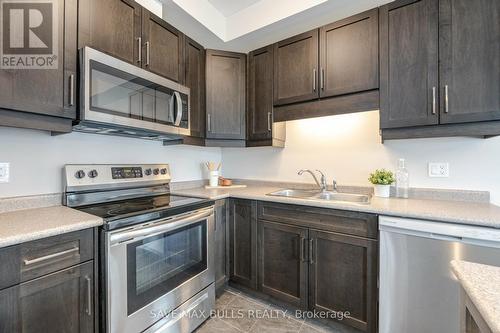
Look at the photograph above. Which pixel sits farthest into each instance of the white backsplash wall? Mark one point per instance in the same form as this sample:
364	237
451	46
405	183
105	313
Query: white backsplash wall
348	148
36	158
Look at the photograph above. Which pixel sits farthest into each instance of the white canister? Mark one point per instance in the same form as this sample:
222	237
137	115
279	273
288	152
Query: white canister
383	191
214	178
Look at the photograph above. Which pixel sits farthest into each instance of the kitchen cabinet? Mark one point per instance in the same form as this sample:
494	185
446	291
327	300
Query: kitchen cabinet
243	242
195	80
296	68
225	95
261	129
163	47
112	26
469	51
221	244
45	98
48	285
343	277
58	302
431	54
409	64
349	55
282	262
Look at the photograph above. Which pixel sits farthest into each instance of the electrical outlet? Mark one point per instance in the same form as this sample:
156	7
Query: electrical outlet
4	172
439	169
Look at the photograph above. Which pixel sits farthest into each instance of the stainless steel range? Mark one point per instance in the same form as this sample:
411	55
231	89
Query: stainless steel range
157	249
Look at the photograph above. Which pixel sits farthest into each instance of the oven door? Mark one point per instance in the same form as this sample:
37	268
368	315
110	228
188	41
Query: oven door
155	267
118	93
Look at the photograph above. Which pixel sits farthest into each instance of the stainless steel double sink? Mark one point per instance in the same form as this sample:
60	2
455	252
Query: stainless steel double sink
322	196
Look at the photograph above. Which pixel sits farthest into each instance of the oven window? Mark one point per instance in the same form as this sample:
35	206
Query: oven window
158	264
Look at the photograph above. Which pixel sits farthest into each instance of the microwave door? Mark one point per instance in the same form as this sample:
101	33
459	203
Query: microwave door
164	110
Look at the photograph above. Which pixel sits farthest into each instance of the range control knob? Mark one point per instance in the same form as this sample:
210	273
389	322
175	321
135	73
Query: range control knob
163	171
147	172
93	173
80	174
156	171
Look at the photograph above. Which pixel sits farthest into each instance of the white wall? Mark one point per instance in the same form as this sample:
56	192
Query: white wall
348	148
36	158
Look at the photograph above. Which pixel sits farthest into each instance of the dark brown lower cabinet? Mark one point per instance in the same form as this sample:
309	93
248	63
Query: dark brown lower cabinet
243	242
221	245
282	271
343	277
60	302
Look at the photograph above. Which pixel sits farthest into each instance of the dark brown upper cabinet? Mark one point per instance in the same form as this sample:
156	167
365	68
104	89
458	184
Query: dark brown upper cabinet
469	51
162	47
261	129
112	26
349	55
296	69
282	260
409	64
225	95
343	277
45	98
195	80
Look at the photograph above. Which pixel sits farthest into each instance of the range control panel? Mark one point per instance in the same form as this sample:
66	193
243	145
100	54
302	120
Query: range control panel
103	176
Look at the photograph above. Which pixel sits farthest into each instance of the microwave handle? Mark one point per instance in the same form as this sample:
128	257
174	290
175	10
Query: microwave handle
178	102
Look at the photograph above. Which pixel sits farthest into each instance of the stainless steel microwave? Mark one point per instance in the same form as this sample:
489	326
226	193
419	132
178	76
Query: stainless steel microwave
118	98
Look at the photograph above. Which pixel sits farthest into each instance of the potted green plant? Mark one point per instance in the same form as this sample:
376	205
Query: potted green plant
382	180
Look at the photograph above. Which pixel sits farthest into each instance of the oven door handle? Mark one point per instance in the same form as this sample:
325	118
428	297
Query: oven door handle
160	226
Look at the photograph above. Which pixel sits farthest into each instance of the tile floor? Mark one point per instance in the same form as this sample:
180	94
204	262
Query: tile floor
239	312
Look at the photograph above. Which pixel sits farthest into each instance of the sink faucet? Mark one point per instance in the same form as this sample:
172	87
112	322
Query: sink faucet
322	184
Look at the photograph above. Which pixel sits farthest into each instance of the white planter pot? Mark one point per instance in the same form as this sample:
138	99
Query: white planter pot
383	191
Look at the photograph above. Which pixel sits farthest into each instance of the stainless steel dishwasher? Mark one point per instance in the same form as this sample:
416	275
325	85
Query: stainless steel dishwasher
418	291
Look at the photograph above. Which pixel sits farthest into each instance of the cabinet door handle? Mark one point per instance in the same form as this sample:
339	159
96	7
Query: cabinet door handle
148	58
139	49
89	295
302	249
71	89
28	262
446	104
433	100
269	121
314	79
311	250
209	126
322	78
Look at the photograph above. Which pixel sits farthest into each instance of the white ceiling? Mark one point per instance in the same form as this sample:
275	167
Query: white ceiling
229	7
255	23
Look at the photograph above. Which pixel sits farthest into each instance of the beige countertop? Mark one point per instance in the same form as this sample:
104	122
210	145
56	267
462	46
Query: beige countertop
30	224
482	285
482	214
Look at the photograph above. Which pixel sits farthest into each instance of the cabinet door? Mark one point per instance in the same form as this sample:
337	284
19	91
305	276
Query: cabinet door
282	263
61	302
243	242
409	64
47	91
111	26
260	94
343	277
349	55
226	72
195	80
296	69
221	244
469	51
163	45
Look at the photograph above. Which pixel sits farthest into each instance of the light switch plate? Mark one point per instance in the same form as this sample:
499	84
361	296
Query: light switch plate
439	169
4	172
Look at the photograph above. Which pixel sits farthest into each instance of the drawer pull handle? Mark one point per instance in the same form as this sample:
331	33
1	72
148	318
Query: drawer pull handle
89	296
28	262
302	249
311	250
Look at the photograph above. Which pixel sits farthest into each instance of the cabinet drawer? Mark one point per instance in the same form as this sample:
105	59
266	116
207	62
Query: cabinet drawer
30	260
346	222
